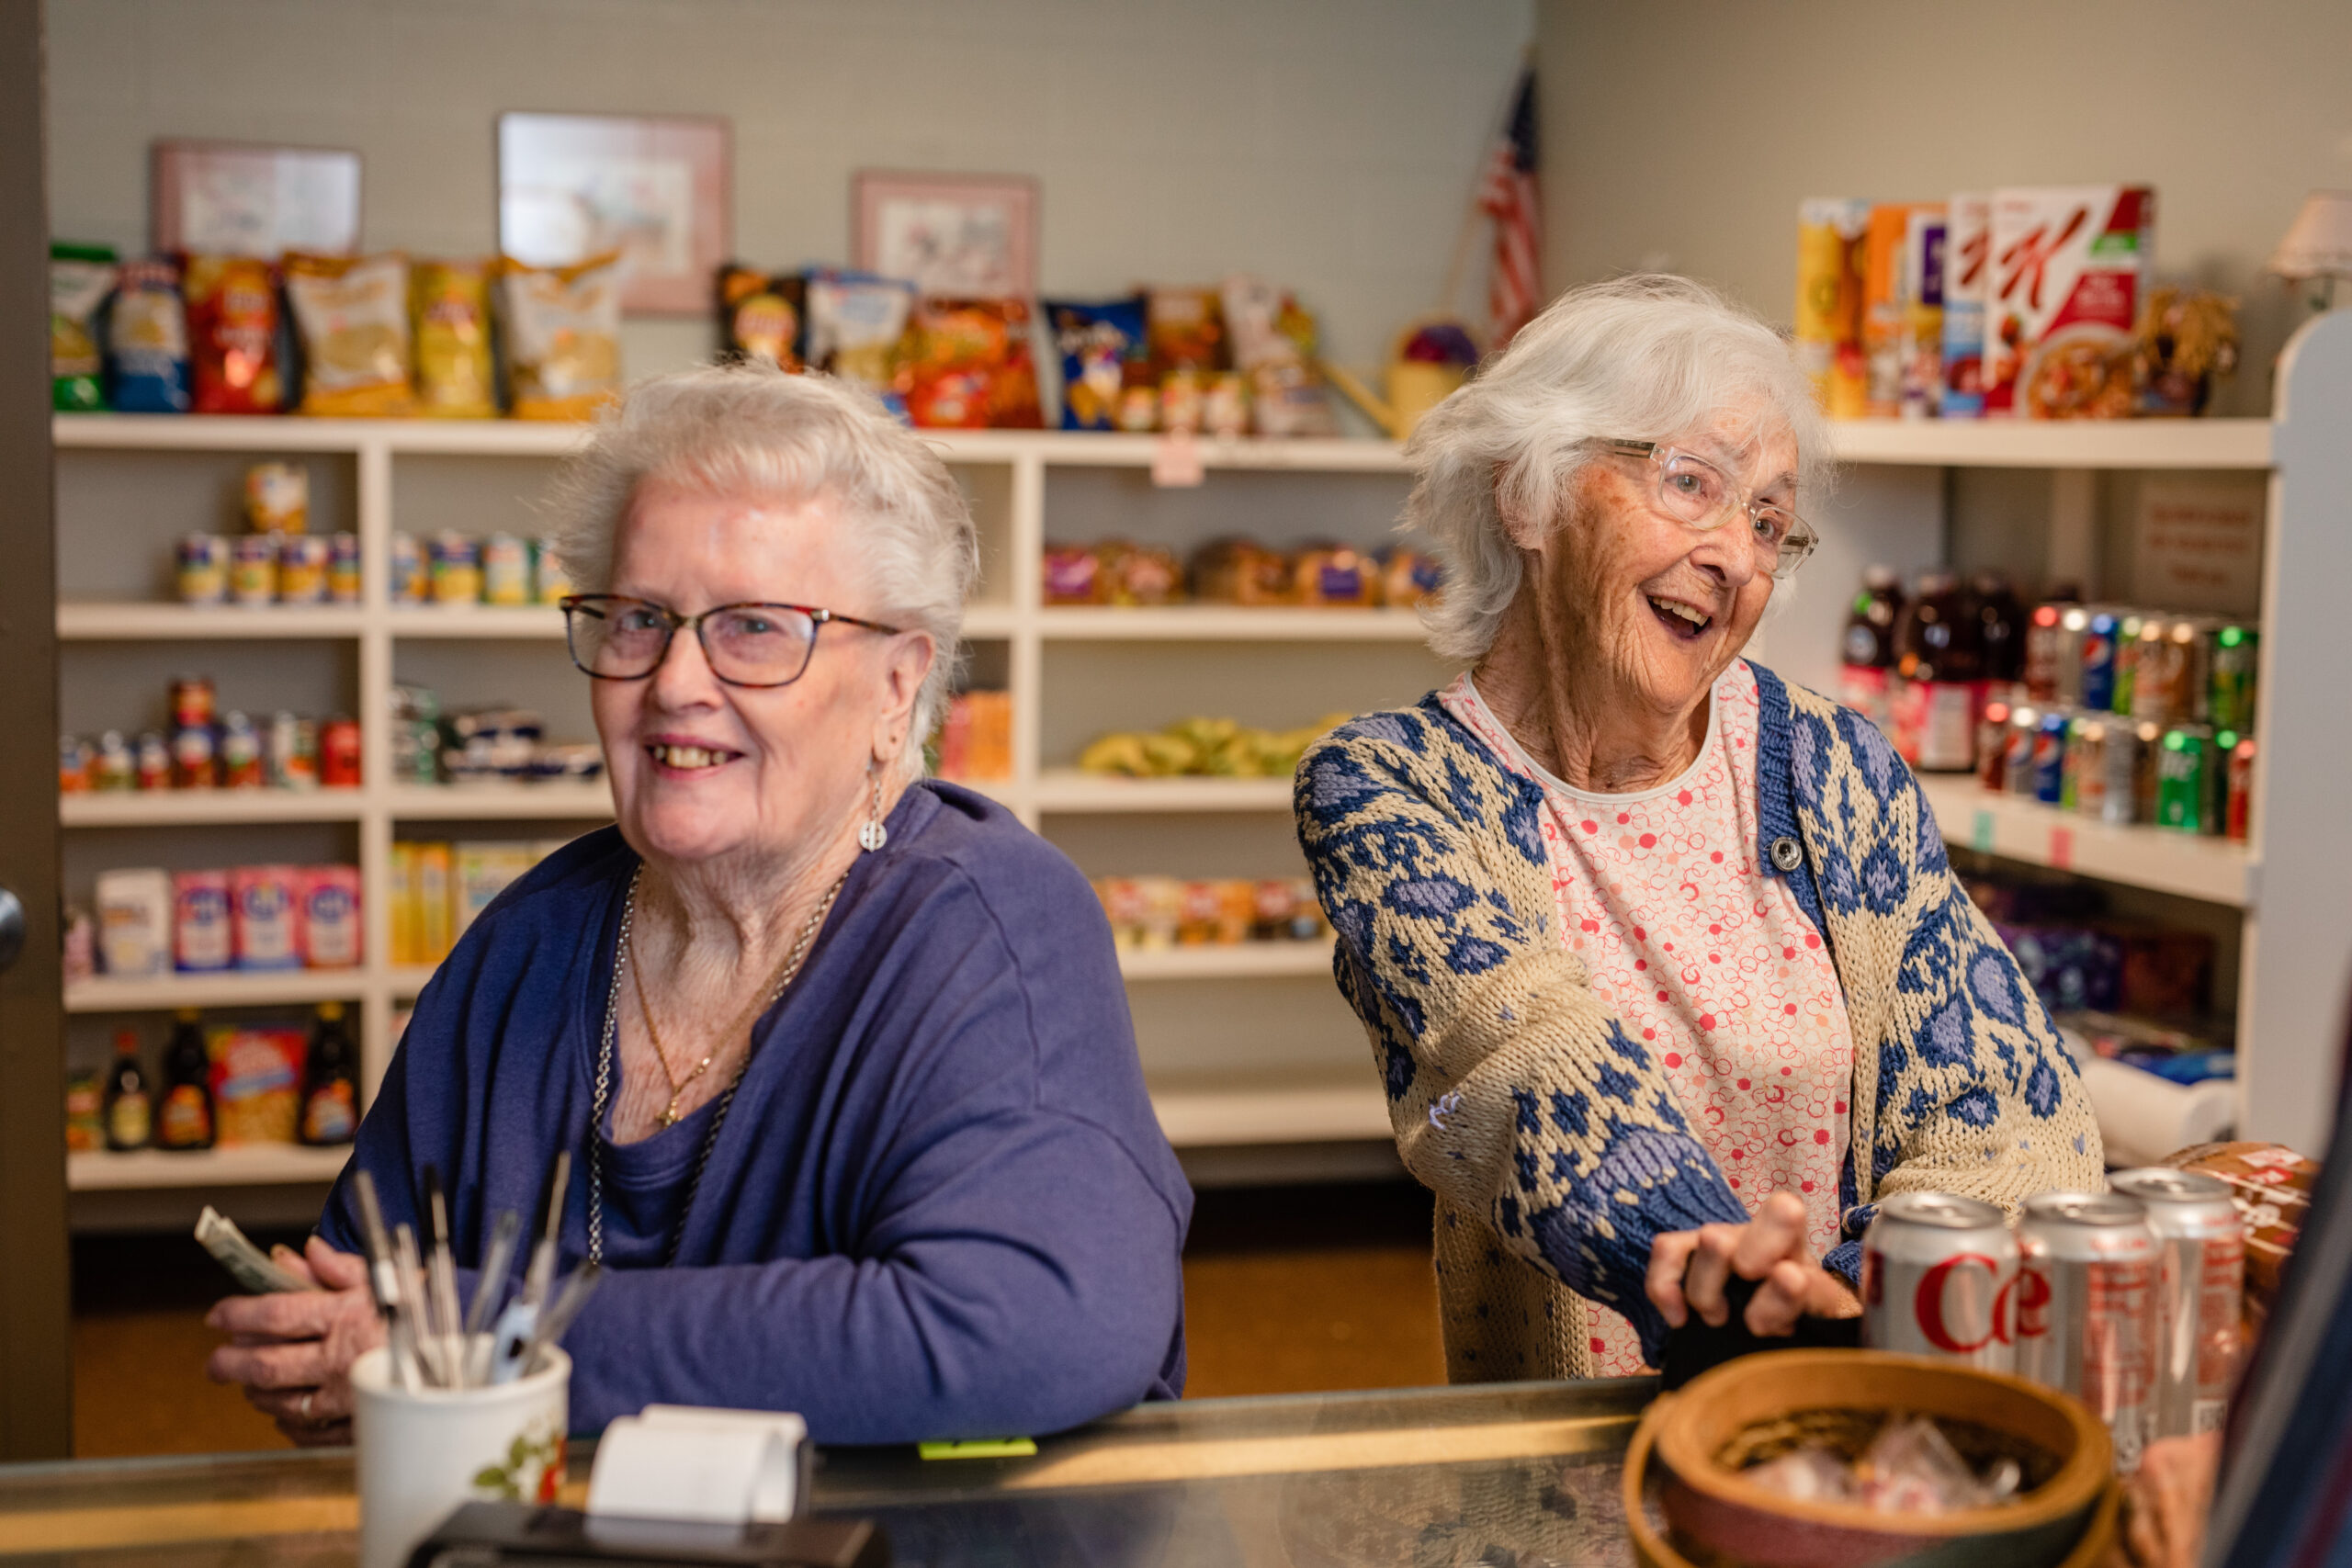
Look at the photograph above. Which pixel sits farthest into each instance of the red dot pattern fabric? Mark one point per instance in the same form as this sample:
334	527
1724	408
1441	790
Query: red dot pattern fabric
1707	961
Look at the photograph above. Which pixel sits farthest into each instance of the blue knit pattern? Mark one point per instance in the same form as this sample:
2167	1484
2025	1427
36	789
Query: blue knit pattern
1521	1100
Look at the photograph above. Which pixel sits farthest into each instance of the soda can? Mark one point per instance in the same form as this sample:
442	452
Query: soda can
2148	745
2050	757
411	582
1993	747
2025	727
2085	1300
252	569
505	570
2200	1279
2074	624
2086	789
2044	652
342	568
339	753
2213	813
2181	768
2229	690
2194	636
2160	680
1938	1276
2119	763
203	561
192	700
153	762
2236	824
2127	660
2097	690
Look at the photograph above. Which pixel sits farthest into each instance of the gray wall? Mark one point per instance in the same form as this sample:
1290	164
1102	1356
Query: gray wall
1330	144
1681	134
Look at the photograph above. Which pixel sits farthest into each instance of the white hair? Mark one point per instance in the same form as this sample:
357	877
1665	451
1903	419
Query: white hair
753	429
1645	357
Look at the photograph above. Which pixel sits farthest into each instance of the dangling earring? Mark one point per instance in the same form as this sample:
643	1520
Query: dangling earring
872	836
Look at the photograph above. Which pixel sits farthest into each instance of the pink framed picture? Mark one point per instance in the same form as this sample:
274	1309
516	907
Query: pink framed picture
969	236
234	198
658	191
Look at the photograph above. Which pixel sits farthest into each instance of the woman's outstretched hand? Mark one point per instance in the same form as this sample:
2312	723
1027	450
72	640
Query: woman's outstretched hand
1689	1271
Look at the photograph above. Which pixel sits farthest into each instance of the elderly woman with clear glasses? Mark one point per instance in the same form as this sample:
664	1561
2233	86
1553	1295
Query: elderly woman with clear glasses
1662	959
841	1053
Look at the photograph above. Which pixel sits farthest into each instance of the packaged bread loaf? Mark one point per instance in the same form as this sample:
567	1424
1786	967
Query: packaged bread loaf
1235	570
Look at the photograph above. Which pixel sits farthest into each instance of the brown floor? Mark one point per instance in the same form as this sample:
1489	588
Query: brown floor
1286	1290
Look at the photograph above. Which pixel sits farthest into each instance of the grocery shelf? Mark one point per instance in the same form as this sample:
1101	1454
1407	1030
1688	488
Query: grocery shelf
542	623
234	1165
1223	622
2138	856
285	987
1343	1108
195	807
1066	789
990	620
1232	961
406	980
2055	444
89	620
500	802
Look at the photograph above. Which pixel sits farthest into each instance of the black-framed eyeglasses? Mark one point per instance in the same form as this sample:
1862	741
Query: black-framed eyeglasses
614	637
1697	493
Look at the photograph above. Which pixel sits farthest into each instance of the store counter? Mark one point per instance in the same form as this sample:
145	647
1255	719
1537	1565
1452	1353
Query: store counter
1524	1473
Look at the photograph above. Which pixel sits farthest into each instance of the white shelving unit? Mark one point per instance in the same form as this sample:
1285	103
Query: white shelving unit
1243	1045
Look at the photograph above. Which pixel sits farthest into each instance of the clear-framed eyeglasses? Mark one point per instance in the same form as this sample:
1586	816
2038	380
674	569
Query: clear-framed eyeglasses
614	637
1698	493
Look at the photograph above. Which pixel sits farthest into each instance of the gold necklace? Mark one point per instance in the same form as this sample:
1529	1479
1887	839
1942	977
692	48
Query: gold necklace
761	1002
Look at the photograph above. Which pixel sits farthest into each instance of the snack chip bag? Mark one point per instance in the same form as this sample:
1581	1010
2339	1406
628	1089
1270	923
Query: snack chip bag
562	331
965	364
1097	344
1186	329
232	328
759	316
351	313
147	340
80	277
855	323
450	306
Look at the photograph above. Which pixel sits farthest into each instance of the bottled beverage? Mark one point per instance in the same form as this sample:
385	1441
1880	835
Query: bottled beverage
184	1120
1939	658
331	1080
1938	1273
1867	647
2000	620
129	1109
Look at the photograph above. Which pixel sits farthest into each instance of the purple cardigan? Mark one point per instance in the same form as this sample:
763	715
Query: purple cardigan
940	1206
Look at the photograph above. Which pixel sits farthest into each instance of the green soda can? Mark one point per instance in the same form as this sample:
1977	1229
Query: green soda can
2182	763
2127	659
2230	699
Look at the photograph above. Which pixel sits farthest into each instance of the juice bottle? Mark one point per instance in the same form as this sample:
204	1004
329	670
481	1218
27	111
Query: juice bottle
1940	659
1865	678
184	1120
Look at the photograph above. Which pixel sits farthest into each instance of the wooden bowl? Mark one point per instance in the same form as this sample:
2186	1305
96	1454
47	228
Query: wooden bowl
1717	1516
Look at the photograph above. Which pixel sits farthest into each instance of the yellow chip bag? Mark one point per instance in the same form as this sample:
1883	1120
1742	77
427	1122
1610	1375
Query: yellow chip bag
352	315
562	326
450	303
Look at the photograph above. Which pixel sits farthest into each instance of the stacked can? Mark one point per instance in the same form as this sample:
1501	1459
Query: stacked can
2200	1283
1938	1276
2086	1287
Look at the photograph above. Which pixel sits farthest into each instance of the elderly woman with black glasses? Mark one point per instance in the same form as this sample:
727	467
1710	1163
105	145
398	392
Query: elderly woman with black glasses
1662	959
841	1053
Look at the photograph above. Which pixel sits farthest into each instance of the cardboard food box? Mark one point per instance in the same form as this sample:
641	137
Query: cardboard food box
2067	266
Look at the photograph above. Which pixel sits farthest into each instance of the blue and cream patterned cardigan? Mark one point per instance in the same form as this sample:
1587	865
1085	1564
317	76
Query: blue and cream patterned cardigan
1552	1138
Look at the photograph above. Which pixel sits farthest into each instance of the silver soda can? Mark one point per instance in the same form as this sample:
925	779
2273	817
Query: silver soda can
2200	1281
1939	1273
2086	1302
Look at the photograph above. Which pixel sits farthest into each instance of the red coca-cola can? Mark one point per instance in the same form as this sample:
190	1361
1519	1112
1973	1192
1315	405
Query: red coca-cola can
2086	1308
2200	1280
339	753
1938	1273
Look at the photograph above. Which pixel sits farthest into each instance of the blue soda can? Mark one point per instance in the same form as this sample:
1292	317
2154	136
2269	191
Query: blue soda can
2050	757
2099	661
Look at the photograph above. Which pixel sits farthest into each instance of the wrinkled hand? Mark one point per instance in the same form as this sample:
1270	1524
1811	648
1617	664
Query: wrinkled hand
1689	1270
2165	1503
293	1351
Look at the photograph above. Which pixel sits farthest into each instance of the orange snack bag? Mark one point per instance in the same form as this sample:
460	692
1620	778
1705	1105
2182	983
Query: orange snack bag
232	335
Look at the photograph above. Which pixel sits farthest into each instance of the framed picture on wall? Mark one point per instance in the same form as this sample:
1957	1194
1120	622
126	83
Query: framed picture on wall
234	198
658	191
973	236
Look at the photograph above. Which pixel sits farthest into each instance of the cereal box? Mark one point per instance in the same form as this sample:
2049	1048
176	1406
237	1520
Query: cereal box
256	1082
478	873
1968	268
262	914
2065	292
1829	301
1919	348
1890	282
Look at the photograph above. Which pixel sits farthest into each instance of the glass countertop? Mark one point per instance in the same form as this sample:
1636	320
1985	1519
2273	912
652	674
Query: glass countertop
1517	1474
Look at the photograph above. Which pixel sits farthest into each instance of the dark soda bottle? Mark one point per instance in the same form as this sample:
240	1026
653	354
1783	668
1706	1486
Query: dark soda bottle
1866	675
129	1109
331	1081
1939	662
2000	620
184	1120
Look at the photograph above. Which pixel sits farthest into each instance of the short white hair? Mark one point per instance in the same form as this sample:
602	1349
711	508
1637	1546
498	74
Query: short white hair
754	429
1644	357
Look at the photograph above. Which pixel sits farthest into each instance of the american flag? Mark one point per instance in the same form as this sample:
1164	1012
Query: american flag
1506	195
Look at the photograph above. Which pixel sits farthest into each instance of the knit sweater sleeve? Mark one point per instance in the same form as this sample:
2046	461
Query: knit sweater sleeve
1515	1093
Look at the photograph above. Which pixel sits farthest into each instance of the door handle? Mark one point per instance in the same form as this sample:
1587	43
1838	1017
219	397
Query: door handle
12	929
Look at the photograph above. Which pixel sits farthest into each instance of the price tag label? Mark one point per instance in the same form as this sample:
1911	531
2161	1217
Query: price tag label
2061	848
1176	461
1980	833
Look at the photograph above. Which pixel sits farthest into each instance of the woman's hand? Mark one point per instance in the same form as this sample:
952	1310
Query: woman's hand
1689	1270
2166	1502
293	1350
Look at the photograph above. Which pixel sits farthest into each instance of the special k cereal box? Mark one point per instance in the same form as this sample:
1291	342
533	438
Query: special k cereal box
2067	262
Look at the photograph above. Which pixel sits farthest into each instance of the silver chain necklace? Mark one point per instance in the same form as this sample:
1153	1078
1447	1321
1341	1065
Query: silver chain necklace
608	1051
